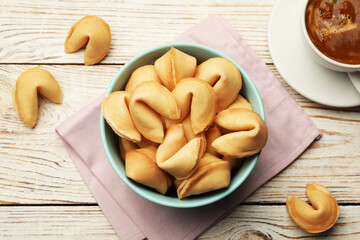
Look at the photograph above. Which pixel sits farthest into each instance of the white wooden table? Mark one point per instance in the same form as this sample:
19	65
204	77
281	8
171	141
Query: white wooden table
42	196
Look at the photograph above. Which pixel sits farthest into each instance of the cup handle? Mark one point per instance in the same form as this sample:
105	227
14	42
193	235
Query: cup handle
355	79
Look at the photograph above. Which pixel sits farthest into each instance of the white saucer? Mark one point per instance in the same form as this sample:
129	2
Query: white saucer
296	66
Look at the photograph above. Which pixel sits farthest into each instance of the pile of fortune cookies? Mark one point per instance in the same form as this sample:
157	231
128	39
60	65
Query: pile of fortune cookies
184	124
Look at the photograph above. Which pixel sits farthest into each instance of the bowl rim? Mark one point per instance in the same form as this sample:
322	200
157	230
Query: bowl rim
186	203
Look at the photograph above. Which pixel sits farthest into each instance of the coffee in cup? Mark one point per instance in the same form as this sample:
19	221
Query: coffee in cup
333	26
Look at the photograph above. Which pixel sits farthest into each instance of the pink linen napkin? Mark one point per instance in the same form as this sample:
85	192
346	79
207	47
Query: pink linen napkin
290	132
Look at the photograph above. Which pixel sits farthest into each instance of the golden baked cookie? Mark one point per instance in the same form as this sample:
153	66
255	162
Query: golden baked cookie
320	215
211	174
30	83
142	74
174	66
197	98
149	102
115	108
224	77
141	167
248	133
177	156
93	32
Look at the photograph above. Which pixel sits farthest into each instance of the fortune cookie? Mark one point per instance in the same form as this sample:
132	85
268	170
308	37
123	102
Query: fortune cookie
148	103
211	134
126	145
25	96
317	217
173	66
141	167
197	98
93	32
224	77
240	102
249	134
190	135
211	174
146	142
142	74
116	113
177	156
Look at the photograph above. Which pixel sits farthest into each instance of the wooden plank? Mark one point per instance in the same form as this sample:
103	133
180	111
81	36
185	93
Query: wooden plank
53	222
35	168
88	222
273	222
35	31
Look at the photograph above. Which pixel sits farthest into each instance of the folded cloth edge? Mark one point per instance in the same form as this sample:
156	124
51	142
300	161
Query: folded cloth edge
91	179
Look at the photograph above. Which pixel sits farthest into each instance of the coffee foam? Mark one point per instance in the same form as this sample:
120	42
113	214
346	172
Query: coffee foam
345	24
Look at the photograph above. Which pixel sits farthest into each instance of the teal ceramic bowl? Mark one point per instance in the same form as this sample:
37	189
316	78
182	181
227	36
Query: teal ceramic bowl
110	139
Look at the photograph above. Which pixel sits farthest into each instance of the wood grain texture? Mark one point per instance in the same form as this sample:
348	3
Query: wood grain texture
273	222
49	222
36	168
35	31
88	222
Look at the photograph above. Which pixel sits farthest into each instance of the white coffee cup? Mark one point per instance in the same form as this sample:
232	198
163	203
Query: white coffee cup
322	59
